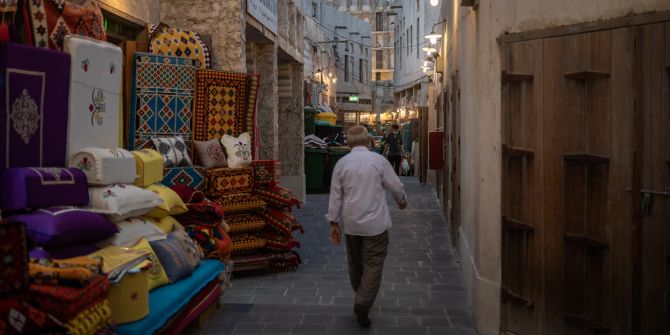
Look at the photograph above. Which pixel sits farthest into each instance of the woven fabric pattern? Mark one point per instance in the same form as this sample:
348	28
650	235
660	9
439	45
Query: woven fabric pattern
225	103
161	98
266	172
52	20
228	181
191	176
177	42
243	243
240	223
239	202
14	270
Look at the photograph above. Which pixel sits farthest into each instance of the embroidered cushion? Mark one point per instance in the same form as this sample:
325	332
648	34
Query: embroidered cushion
214	241
244	243
157	274
174	151
279	242
239	202
191	176
53	20
129	298
149	166
119	202
229	181
192	249
266	172
95	118
105	166
277	197
133	230
181	43
14	269
172	203
175	261
168	224
23	188
244	222
278	221
211	153
188	194
238	150
63	226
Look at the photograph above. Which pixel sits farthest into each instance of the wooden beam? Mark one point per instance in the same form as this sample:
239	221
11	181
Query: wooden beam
512	224
586	240
509	151
587	75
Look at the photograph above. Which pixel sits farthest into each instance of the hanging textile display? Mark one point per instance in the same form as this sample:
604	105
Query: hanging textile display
52	20
34	101
95	94
161	98
225	104
177	42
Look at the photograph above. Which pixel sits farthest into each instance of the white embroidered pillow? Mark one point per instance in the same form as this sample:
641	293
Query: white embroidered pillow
174	150
238	150
119	202
132	230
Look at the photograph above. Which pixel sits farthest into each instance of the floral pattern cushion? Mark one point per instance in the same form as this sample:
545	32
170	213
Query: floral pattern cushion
211	153
174	150
238	150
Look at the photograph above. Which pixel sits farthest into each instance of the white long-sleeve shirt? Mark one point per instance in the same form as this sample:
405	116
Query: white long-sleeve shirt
358	193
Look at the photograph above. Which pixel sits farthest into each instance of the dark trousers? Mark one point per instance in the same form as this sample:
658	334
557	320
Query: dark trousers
366	256
395	162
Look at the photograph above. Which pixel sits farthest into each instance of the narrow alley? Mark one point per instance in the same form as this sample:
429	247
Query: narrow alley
422	290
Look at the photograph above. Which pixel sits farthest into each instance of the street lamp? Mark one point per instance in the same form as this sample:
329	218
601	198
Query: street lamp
429	50
434	3
433	37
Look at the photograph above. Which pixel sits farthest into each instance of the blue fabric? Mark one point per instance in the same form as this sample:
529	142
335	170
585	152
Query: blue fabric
168	300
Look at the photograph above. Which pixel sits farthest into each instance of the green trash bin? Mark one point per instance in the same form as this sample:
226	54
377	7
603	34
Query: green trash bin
315	170
333	157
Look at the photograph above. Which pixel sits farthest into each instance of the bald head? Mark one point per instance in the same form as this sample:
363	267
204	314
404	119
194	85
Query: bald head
357	136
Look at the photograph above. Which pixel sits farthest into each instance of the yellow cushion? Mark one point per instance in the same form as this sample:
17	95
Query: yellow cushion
157	275
129	299
168	224
149	166
172	203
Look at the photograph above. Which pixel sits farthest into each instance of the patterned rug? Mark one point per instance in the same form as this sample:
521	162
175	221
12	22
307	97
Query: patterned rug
52	20
180	43
228	181
191	176
225	103
161	98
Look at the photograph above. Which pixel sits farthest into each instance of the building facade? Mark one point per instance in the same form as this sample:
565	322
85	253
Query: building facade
546	167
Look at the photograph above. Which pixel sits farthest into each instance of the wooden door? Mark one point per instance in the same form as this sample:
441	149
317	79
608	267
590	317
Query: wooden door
651	191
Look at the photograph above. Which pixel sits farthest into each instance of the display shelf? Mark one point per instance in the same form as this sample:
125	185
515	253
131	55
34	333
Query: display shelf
587	75
585	322
586	158
508	296
510	151
586	240
510	77
512	224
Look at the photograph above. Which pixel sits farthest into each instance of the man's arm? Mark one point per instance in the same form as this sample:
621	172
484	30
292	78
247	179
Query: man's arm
392	183
335	205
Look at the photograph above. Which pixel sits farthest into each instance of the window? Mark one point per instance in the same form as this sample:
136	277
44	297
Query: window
378	76
346	67
408	41
350	117
411	36
379	21
314	9
360	70
379	58
417	38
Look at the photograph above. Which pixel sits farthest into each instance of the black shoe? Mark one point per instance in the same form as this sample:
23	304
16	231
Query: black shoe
362	315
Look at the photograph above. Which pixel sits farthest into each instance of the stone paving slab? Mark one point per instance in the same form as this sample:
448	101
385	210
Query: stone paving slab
422	290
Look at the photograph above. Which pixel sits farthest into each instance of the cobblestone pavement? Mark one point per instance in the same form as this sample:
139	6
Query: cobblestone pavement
422	290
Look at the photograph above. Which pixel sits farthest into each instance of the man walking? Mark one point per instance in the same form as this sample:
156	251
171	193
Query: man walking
358	203
393	148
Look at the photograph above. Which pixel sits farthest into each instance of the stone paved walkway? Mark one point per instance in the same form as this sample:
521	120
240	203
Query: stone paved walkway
422	290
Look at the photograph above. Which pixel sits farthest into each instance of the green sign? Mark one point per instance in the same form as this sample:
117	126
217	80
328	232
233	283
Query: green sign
353	98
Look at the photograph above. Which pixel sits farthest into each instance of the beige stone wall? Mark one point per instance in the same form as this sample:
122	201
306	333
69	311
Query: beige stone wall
144	10
265	60
222	19
471	49
291	126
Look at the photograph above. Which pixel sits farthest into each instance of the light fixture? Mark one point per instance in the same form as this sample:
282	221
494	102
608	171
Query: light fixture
429	50
334	80
434	3
433	37
330	74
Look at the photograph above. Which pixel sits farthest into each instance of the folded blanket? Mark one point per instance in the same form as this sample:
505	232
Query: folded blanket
77	271
64	302
92	320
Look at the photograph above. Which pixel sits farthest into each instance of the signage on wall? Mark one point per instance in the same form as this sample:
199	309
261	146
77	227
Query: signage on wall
353	98
265	11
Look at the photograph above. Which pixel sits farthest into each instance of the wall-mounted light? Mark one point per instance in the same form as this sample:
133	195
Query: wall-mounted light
429	50
434	3
334	80
330	74
433	37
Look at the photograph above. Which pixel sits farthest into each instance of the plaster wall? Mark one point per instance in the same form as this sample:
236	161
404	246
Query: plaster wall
473	52
144	10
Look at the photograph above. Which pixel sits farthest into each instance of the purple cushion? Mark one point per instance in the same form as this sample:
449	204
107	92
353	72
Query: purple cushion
32	188
65	226
63	253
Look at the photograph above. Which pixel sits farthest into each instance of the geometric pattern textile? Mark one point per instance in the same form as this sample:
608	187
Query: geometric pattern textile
266	172
244	223
228	181
225	104
14	263
52	20
191	176
176	42
239	202
34	92
174	151
161	98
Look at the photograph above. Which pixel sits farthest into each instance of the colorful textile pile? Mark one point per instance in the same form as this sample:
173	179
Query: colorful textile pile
52	20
